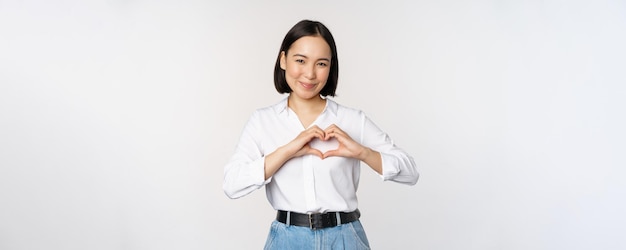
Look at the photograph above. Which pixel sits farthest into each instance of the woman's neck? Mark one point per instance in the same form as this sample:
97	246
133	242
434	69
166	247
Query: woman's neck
313	105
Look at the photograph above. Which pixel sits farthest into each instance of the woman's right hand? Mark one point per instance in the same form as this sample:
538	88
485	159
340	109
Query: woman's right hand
299	146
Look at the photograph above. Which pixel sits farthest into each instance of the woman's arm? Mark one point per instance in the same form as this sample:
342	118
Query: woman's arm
244	172
396	164
297	147
249	169
377	150
352	149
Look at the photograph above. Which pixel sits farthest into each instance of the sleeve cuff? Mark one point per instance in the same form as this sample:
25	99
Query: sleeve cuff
390	167
259	171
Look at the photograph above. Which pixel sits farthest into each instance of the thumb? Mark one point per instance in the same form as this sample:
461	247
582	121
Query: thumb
330	153
315	152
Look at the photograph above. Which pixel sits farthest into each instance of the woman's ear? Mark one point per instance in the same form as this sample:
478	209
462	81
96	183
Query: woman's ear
283	60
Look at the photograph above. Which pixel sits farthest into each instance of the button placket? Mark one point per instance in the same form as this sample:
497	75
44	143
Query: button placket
309	182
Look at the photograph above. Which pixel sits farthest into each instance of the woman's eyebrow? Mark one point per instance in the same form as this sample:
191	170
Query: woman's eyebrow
306	57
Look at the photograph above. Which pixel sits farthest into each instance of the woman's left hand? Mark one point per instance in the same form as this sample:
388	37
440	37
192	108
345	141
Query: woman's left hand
347	146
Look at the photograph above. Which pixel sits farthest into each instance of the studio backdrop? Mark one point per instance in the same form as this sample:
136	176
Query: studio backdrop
117	118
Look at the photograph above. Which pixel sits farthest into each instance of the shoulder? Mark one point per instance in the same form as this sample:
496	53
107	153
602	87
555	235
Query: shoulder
271	110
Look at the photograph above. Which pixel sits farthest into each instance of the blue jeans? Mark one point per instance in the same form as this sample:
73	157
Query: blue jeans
346	236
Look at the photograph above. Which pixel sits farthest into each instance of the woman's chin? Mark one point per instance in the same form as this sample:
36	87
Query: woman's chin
306	95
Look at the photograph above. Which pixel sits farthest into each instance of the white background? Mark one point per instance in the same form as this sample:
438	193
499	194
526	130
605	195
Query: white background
117	117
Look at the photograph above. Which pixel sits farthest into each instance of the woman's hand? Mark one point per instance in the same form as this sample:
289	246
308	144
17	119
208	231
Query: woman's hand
295	148
347	146
350	148
300	145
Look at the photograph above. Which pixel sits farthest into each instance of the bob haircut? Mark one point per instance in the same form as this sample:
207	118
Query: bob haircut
301	29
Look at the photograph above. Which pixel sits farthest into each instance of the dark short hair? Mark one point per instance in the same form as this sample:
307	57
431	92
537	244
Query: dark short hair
301	29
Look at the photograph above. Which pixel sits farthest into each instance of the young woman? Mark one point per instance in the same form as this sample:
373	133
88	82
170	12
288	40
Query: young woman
306	150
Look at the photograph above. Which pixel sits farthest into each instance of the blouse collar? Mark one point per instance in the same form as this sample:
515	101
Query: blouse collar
331	106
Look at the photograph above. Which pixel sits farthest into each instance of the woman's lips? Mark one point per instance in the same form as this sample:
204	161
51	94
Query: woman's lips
308	85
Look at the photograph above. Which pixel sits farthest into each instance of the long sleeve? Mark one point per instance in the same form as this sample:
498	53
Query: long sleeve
398	166
310	184
245	172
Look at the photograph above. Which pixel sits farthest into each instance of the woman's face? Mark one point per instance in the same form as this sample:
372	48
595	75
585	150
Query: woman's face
307	65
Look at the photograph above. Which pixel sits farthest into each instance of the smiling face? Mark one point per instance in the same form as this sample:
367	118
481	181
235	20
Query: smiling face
307	65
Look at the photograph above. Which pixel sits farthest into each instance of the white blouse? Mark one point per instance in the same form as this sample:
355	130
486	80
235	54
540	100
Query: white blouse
308	184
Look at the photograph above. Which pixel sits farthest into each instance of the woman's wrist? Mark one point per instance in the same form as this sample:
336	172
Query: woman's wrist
365	154
372	158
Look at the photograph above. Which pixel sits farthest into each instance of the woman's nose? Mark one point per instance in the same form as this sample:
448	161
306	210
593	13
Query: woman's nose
309	72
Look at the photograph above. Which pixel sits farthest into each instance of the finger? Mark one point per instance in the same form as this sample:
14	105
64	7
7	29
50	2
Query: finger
320	135
308	135
318	132
316	129
333	131
339	136
329	133
331	153
333	127
316	152
330	129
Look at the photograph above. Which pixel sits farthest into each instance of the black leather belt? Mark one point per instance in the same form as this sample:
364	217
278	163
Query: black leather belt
317	221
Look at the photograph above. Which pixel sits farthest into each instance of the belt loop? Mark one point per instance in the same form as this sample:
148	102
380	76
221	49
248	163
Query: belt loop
288	222
338	218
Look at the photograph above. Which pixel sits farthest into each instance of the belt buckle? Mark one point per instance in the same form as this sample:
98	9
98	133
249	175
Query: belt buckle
311	222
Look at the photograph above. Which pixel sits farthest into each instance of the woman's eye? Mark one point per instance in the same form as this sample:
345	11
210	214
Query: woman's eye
323	64
299	61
